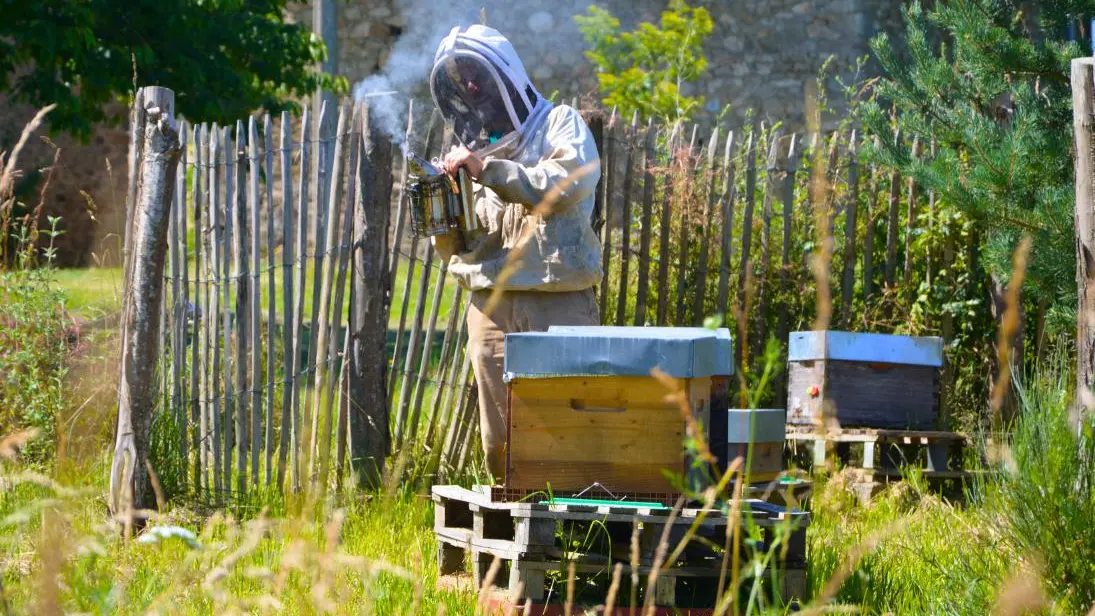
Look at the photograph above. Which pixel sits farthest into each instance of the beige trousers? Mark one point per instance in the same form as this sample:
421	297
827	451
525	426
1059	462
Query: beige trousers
518	311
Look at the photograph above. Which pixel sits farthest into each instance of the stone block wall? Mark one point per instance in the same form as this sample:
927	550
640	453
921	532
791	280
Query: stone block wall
88	187
761	53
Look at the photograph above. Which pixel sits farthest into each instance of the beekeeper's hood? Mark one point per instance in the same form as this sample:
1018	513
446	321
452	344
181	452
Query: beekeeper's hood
481	87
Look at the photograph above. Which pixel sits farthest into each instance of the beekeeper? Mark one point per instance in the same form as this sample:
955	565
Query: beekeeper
517	146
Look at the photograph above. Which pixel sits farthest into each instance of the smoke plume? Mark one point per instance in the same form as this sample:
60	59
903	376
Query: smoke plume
407	68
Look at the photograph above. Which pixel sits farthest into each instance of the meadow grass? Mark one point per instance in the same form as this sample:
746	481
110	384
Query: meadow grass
374	554
95	292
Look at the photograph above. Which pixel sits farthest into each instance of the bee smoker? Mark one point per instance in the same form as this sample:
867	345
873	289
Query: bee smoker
439	202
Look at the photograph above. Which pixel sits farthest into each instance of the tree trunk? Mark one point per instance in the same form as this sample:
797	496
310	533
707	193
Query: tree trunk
130	484
368	417
1083	89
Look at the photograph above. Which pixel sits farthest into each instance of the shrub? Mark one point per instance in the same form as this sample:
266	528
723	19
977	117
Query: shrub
33	345
643	70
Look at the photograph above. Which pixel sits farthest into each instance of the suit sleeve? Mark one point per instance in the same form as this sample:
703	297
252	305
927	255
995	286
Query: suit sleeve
567	174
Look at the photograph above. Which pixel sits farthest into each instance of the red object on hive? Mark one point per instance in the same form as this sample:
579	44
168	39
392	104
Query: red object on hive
813	391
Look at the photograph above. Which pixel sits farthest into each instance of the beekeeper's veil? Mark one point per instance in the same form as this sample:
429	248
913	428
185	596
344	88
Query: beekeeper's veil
481	87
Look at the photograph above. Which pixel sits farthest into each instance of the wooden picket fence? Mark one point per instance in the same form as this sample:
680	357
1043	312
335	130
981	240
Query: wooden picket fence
728	226
261	264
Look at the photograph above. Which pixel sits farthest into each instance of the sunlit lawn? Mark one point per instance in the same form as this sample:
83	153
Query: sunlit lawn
95	292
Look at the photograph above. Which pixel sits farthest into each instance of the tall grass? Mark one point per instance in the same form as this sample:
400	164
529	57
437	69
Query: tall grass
1042	494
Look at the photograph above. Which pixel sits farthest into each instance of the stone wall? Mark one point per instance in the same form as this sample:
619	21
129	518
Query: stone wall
88	187
761	53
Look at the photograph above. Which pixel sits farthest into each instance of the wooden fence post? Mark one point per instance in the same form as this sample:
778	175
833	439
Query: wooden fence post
130	484
368	417
1083	91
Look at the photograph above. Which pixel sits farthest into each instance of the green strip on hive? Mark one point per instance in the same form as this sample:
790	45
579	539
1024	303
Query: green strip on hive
590	502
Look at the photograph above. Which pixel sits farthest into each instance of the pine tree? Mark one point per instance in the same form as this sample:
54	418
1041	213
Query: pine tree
988	81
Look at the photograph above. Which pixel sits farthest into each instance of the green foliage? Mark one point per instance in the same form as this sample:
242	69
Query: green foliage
994	97
922	555
644	70
1045	488
223	58
33	347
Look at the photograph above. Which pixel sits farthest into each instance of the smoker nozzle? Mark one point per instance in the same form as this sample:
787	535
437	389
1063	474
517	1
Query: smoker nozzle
420	166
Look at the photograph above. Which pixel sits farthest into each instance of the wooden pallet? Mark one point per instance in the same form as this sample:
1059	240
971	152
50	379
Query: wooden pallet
885	452
472	531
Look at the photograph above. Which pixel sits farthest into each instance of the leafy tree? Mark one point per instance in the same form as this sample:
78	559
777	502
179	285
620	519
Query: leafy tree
223	58
643	70
988	82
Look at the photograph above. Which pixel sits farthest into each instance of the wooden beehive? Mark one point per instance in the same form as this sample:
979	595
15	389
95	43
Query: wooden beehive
864	380
584	408
765	431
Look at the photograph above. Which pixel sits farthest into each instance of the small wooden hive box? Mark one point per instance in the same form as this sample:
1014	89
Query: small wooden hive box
766	430
864	380
585	409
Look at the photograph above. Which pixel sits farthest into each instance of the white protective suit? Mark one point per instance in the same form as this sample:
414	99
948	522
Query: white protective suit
529	147
537	146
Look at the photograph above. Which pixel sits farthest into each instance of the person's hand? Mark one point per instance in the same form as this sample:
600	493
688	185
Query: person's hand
463	157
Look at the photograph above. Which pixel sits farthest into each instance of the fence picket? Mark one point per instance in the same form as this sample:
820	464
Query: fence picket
625	221
289	317
272	304
353	148
726	214
254	210
891	224
319	240
244	314
873	214
326	286
787	203
647	222
401	205
452	401
848	282
218	364
610	141
228	424
688	171
199	429
405	390
664	248
771	174
698	308
180	282
298	310
910	216
747	220
449	352
426	353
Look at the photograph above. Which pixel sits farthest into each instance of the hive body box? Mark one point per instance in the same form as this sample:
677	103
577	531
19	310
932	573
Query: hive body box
864	380
584	407
766	429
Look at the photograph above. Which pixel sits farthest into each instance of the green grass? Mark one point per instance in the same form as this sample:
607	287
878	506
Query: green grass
91	292
929	556
383	557
94	292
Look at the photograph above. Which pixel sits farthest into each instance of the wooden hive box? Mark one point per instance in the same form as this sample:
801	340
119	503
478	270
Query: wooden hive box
584	408
766	430
864	380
